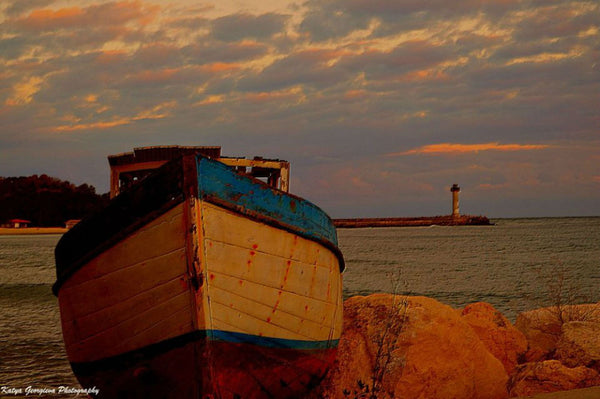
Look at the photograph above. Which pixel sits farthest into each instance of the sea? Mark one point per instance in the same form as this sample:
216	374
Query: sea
515	265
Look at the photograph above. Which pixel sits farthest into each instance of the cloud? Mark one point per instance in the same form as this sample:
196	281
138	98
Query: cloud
24	91
333	19
158	111
52	32
107	14
410	56
327	20
311	67
48	19
294	95
20	6
247	26
318	83
450	148
564	19
207	51
91	125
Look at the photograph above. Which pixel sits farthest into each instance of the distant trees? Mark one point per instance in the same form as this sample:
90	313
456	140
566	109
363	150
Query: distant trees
46	201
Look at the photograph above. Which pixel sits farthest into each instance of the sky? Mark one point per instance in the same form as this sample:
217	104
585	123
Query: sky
379	105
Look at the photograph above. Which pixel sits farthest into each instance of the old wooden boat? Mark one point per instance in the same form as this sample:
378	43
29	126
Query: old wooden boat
203	278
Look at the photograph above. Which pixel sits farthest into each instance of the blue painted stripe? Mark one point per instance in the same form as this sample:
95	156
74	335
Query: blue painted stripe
240	338
216	180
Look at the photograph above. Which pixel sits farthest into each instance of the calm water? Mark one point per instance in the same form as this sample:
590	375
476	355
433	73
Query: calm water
511	265
31	346
505	265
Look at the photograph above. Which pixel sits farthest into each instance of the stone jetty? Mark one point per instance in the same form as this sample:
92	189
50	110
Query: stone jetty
416	347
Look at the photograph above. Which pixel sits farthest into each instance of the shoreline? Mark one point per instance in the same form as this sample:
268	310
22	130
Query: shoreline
9	231
423	221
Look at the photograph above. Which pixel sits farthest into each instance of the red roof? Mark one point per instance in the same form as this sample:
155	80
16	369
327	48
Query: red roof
19	221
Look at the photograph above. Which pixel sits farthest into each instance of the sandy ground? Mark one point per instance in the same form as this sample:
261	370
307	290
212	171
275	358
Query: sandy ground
32	230
586	393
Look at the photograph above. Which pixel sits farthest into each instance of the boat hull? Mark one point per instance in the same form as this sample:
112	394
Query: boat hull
209	294
177	369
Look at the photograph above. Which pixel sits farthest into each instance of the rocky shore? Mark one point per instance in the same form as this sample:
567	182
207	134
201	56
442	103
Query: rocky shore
416	347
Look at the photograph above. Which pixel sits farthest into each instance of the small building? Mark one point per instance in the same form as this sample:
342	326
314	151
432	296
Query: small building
19	223
70	223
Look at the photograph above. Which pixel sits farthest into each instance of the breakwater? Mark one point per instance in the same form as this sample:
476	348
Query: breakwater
449	220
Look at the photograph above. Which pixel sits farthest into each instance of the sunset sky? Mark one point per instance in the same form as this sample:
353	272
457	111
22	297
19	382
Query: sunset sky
379	105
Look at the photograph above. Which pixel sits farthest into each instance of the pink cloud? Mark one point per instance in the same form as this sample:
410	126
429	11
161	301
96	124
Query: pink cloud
424	75
220	67
452	148
279	96
320	55
159	76
159	111
111	57
92	126
50	19
355	94
110	14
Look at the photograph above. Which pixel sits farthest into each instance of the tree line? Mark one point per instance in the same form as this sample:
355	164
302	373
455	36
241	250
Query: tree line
47	201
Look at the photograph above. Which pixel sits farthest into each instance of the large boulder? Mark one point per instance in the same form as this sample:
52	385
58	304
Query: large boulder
411	347
579	344
550	376
543	327
498	335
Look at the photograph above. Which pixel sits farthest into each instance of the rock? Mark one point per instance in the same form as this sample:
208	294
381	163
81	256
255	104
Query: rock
543	327
415	347
550	376
579	344
498	335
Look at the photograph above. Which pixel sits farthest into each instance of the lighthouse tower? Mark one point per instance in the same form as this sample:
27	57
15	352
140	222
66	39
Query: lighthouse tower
455	190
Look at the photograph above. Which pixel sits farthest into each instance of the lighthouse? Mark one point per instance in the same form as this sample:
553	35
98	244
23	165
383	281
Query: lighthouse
455	190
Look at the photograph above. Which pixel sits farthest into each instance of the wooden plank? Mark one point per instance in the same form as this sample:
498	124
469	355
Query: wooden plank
121	300
201	302
262	280
272	270
78	329
253	298
304	307
227	319
118	286
226	226
159	237
176	323
169	319
234	308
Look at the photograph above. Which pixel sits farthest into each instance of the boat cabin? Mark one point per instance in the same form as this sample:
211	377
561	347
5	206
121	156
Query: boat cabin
130	167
